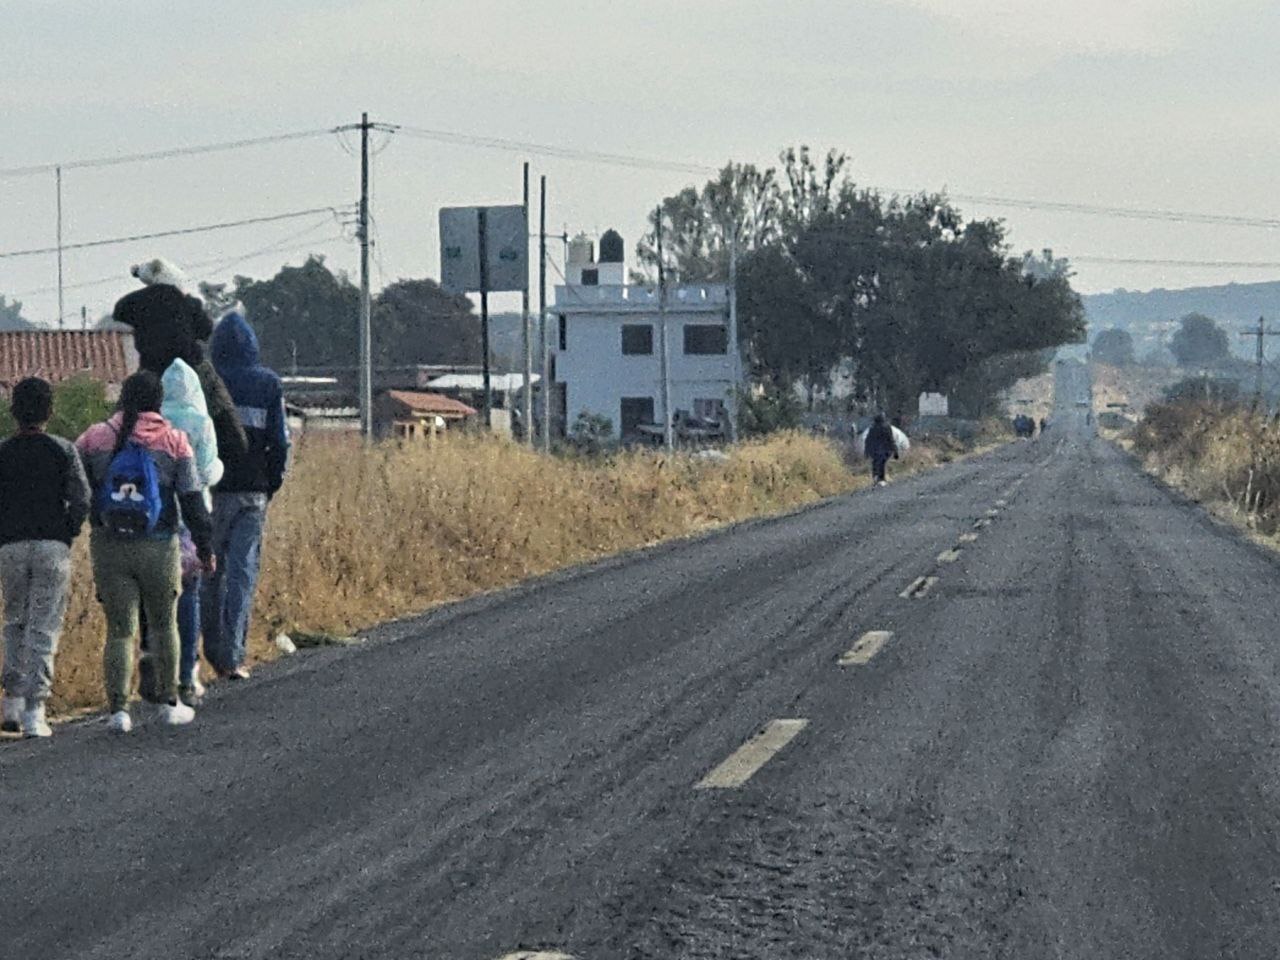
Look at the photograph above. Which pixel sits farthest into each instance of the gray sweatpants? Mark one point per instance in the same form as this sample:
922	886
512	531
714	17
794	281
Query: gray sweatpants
34	575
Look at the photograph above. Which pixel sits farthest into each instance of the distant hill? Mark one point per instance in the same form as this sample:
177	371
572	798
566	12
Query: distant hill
1144	314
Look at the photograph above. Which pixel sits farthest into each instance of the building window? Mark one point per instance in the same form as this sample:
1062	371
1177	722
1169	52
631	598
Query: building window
635	411
637	339
709	410
706	338
564	332
591	276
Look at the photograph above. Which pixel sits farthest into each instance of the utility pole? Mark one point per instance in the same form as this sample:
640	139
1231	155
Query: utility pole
484	318
735	355
366	306
526	408
542	314
61	309
1260	333
668	437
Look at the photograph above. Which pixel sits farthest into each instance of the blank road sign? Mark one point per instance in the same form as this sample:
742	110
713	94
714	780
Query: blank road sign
506	241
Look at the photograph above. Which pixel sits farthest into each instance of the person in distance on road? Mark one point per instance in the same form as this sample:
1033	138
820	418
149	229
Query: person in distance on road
878	447
44	499
145	485
240	500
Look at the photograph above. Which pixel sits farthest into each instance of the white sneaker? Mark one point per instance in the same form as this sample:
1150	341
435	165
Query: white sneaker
34	724
120	722
176	714
11	709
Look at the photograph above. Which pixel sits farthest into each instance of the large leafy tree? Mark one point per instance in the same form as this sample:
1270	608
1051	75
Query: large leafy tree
1199	342
1114	346
311	313
904	292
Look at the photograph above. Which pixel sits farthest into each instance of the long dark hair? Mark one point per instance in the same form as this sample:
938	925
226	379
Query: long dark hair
141	393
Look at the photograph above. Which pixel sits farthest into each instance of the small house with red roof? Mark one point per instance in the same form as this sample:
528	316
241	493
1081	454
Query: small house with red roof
415	415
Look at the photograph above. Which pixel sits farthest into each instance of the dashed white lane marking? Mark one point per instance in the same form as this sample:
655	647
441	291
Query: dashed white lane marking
918	588
968	537
949	556
979	524
535	955
993	513
741	765
912	587
868	646
1002	503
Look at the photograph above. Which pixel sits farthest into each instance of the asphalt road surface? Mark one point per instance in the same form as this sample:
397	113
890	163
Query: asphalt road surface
1067	748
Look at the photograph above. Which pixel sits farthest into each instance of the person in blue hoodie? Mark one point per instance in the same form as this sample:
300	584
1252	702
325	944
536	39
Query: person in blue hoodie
240	499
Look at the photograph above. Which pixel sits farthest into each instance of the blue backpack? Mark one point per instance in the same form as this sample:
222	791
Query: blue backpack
129	503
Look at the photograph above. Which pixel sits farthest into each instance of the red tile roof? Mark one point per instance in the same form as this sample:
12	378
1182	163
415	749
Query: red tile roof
57	355
431	403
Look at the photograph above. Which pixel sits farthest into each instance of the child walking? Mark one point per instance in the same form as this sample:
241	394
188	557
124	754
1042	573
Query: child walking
44	499
145	486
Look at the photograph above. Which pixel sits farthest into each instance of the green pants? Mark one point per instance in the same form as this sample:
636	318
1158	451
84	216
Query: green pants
133	574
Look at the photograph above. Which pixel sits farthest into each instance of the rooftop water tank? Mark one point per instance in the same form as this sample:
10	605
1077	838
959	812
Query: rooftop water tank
581	250
612	249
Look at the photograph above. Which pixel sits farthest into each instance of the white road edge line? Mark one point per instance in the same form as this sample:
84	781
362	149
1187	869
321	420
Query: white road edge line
741	765
868	646
536	955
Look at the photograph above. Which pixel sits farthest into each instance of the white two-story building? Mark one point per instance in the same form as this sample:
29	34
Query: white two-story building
606	344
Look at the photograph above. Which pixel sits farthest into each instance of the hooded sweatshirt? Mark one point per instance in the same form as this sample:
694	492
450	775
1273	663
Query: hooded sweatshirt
181	494
184	407
259	400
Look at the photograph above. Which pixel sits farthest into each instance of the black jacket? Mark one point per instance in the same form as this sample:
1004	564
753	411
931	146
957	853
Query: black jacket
169	325
43	491
880	444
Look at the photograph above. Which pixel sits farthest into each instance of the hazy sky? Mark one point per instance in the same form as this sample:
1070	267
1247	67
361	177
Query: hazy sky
1130	103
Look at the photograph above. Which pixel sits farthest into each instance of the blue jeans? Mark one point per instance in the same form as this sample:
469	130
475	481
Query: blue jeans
226	599
189	630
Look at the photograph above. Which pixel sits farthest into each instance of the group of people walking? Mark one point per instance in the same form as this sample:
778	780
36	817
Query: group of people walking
175	485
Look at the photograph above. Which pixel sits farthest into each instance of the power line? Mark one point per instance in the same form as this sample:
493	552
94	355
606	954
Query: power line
35	169
547	150
39	251
214	266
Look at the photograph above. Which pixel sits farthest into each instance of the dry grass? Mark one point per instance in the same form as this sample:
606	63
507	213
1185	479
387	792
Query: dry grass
1227	457
361	536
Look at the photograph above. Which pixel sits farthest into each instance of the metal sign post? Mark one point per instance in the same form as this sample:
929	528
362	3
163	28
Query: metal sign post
484	250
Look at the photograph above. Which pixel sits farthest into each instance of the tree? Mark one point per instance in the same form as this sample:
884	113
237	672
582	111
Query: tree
11	317
1199	342
312	314
307	312
415	321
1114	346
901	291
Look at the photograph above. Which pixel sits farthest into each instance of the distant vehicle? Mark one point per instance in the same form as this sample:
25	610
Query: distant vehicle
1083	403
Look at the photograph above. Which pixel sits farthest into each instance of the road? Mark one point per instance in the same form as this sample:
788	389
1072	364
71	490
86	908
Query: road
1069	747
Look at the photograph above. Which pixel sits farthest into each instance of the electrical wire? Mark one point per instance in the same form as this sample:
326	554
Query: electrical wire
205	228
547	150
35	169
